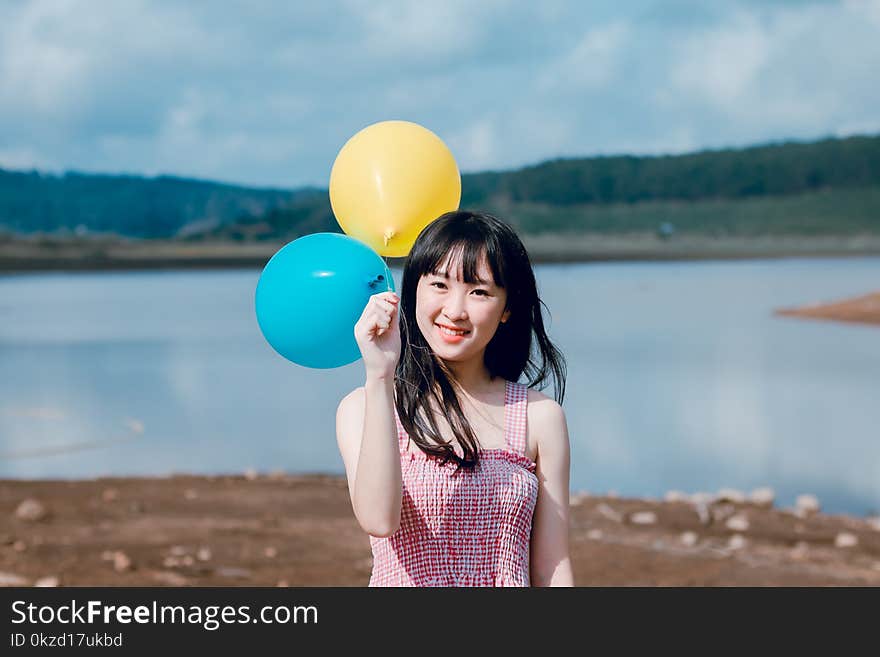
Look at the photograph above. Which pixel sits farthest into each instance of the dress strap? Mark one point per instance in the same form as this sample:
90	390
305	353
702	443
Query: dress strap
516	397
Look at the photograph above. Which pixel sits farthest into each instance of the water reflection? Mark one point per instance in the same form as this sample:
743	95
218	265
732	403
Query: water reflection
680	378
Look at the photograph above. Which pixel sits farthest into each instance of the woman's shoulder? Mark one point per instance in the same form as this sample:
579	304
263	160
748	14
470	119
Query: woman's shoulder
351	407
352	398
541	402
546	418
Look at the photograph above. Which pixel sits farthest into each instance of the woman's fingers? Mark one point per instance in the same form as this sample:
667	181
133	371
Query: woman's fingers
387	301
379	313
385	305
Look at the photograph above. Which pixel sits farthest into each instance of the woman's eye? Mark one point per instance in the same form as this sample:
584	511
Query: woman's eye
481	293
438	284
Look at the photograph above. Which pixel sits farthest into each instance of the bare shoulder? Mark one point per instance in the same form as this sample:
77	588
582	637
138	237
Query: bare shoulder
542	407
548	429
352	399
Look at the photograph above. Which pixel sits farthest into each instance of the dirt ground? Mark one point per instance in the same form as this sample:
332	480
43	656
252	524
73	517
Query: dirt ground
283	530
864	310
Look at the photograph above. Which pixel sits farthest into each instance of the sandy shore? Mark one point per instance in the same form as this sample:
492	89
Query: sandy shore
300	531
97	255
862	310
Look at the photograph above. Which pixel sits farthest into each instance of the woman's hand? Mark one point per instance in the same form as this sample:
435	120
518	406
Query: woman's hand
377	333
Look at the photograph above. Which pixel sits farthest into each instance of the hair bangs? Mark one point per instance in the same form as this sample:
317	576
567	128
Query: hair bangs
460	255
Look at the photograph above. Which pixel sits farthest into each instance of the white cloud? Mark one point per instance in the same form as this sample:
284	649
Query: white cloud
268	94
475	146
593	61
720	65
38	74
784	70
23	157
410	29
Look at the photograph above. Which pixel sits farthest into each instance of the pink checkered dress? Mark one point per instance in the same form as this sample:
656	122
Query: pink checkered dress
471	529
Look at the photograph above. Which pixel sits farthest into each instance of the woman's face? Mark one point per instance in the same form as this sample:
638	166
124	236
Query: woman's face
458	319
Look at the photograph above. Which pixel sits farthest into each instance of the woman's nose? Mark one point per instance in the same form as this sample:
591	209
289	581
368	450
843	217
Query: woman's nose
455	310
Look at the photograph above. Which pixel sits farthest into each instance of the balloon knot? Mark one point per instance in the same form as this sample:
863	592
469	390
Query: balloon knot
387	235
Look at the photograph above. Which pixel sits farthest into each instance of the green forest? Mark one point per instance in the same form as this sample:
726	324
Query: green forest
827	187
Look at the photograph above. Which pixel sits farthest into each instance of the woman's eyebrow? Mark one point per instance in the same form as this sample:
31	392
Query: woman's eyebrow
443	274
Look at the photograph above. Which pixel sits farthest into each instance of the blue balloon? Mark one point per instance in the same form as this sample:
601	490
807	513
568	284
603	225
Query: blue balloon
311	294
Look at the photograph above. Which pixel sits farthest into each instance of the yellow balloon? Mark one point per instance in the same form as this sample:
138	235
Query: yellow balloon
391	180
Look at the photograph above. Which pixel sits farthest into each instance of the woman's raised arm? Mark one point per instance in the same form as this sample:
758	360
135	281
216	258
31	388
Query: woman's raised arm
365	427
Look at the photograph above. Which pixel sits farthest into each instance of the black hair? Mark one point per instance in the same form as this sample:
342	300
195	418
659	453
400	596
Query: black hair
520	346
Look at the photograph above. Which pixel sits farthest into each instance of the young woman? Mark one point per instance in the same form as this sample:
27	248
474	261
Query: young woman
458	472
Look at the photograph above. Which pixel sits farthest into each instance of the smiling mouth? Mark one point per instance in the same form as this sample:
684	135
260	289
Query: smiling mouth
446	330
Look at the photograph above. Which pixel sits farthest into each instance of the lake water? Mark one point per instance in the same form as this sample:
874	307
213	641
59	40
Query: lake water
680	377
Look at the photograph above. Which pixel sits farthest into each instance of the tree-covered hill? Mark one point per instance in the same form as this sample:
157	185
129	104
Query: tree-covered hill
772	170
826	187
128	205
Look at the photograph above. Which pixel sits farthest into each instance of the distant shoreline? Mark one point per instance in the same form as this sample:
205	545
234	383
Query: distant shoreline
96	255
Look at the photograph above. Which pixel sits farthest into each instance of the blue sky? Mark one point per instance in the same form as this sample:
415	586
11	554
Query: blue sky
265	93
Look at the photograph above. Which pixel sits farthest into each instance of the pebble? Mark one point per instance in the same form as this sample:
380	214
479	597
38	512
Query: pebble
609	513
177	550
171	562
763	497
282	583
578	498
874	523
731	495
190	494
31	510
170	579
800	550
270	552
643	518
109	494
807	504
675	496
738	523
49	582
595	534
203	554
846	540
121	562
250	474
188	560
721	512
689	538
11	579
19	546
737	542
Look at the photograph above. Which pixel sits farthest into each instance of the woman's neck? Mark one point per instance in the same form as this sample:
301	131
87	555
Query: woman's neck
472	376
